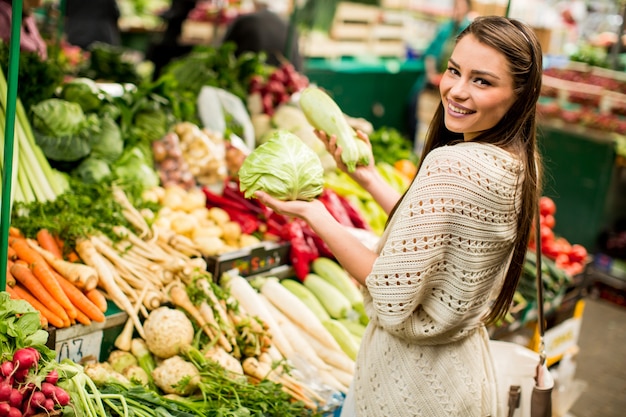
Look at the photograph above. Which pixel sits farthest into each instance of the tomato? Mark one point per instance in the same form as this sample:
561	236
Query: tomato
549	220
550	249
561	260
546	234
546	206
577	253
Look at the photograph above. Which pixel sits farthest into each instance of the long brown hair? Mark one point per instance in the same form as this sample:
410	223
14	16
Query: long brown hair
516	131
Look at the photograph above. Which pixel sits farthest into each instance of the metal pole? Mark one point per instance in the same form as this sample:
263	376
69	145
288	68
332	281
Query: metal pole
617	46
5	205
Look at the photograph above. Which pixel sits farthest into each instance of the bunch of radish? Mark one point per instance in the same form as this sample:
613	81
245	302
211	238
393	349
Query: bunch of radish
284	81
23	391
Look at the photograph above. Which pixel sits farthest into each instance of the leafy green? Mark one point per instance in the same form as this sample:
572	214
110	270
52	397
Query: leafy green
389	145
284	167
183	78
135	165
108	145
37	78
83	91
20	327
62	129
92	170
84	210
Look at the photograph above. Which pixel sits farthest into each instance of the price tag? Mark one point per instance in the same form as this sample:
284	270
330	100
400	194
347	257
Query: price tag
79	347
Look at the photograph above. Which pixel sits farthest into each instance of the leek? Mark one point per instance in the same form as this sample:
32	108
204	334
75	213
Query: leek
33	177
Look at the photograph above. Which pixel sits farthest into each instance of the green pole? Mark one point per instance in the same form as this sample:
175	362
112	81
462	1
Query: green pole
5	206
61	22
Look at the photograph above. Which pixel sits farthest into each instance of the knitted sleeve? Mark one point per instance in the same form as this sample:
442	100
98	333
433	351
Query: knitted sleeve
448	244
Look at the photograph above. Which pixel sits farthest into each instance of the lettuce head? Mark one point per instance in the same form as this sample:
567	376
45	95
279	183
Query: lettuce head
284	167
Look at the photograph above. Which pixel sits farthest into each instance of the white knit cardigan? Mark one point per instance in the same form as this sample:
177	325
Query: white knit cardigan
442	261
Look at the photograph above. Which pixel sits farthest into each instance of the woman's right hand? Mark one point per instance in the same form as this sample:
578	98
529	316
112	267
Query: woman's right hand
363	174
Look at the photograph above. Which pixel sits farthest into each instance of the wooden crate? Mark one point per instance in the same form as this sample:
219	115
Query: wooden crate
354	21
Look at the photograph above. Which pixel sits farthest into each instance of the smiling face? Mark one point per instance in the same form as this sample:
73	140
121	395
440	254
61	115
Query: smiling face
477	88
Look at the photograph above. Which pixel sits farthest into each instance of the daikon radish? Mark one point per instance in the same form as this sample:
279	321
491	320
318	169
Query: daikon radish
298	312
335	358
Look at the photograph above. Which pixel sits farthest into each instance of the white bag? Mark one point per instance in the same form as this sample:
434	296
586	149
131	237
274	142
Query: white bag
516	365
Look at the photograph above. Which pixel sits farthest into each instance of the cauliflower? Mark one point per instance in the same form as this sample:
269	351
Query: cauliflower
167	330
176	376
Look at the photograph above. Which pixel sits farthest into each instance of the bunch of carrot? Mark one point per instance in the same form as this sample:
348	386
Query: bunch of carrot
64	292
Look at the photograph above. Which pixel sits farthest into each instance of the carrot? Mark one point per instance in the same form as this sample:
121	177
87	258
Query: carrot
68	254
47	241
10	279
27	278
80	300
97	297
45	274
52	318
83	276
82	318
11	254
15	232
42	318
23	250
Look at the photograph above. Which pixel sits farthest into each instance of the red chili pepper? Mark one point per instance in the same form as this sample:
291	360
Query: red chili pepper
356	217
249	222
335	207
303	250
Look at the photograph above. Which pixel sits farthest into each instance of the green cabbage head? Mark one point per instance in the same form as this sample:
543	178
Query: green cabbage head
284	167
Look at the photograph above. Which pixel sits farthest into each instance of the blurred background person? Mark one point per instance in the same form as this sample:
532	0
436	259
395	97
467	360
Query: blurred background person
30	38
168	46
263	30
89	21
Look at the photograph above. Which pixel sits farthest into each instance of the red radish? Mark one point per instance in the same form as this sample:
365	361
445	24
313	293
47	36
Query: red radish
62	396
52	377
49	404
6	369
15	412
5	392
4	409
16	397
48	389
36	400
21	374
26	358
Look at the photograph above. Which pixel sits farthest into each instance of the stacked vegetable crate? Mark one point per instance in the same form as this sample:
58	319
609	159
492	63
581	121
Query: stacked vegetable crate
361	30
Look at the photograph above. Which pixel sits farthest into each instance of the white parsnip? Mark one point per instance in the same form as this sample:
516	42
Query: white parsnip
90	256
248	298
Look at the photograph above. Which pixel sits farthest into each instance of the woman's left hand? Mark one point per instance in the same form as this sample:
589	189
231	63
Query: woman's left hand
294	208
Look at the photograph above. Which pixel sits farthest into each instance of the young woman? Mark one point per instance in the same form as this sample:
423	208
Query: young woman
451	255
